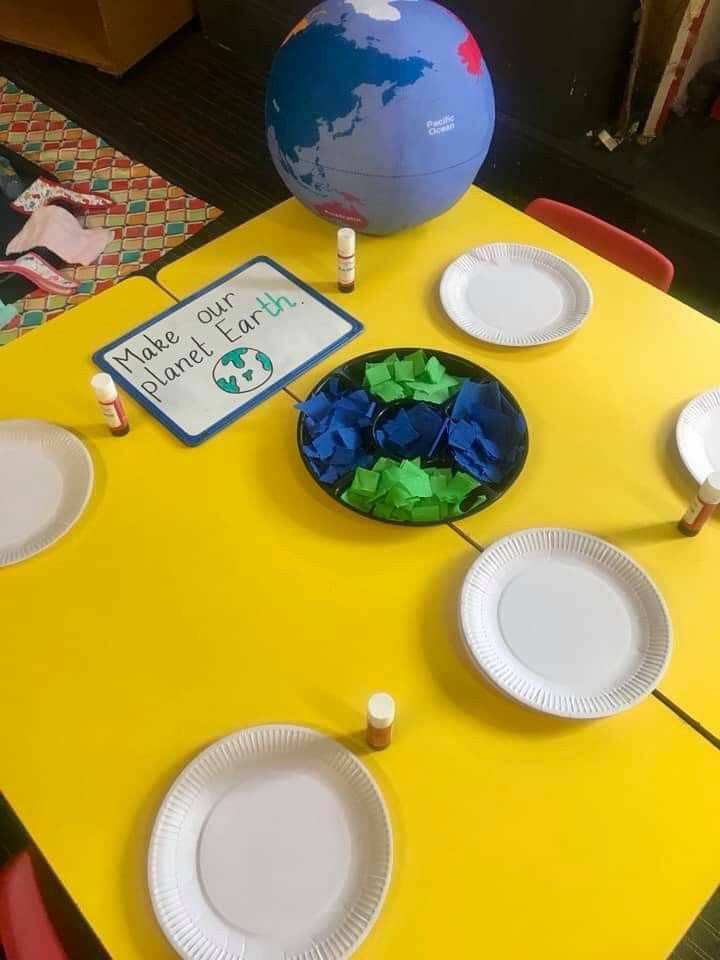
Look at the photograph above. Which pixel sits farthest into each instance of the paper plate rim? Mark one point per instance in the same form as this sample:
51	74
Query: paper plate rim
475	327
12	555
624	695
693	411
343	943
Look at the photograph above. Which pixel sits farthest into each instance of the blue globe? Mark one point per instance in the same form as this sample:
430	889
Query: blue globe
379	113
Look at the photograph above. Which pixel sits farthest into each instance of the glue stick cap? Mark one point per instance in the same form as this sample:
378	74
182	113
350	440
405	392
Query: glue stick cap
346	241
104	387
381	710
710	490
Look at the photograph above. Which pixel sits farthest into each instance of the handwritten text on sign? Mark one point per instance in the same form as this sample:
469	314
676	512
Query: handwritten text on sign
232	328
203	361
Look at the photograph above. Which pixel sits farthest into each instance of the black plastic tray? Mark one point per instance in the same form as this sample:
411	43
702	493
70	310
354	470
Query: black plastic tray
353	371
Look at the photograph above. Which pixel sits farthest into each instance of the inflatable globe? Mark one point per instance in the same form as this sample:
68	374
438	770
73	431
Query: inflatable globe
379	112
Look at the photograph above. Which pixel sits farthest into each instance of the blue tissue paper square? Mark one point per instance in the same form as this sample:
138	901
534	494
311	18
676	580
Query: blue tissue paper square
486	434
336	420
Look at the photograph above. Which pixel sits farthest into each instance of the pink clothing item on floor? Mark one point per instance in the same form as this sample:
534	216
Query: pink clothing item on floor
39	272
58	230
43	192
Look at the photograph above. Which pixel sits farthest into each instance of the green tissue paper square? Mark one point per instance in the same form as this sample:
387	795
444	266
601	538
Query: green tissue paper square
389	391
418	360
413	376
427	393
423	513
404	370
360	503
417	483
405	490
383	510
365	481
439	482
461	485
434	370
398	496
376	373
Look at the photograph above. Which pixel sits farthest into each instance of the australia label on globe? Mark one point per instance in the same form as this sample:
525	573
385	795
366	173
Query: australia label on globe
379	112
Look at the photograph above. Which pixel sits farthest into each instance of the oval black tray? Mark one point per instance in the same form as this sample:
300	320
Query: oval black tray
353	372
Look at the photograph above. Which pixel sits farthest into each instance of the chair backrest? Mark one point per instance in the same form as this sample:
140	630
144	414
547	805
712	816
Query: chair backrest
612	243
26	931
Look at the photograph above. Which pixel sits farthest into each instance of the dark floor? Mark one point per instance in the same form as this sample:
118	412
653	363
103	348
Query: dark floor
195	114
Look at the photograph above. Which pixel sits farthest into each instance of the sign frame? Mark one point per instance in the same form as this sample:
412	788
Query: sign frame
192	440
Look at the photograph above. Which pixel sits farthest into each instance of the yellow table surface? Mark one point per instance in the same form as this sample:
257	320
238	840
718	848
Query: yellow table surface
209	588
601	405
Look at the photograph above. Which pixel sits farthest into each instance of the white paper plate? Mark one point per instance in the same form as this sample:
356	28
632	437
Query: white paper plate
46	476
698	435
515	295
565	623
273	844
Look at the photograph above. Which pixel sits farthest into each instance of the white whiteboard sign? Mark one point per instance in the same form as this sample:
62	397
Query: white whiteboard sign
203	363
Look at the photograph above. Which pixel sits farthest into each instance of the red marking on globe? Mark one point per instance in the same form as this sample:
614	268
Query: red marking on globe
336	211
469	53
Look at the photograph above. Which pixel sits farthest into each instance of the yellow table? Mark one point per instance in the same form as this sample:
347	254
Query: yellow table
214	587
601	405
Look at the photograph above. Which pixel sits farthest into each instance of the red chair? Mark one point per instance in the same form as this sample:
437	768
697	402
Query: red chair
26	932
607	241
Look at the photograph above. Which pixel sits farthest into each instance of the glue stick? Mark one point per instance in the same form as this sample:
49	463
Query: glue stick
702	506
380	718
346	260
110	404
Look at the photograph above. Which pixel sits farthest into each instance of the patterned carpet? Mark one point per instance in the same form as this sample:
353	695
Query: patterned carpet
149	215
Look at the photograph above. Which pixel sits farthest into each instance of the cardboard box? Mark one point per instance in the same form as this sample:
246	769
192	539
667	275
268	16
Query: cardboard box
111	34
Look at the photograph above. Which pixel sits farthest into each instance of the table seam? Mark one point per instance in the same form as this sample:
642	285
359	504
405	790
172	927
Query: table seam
658	694
466	537
661	697
687	718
